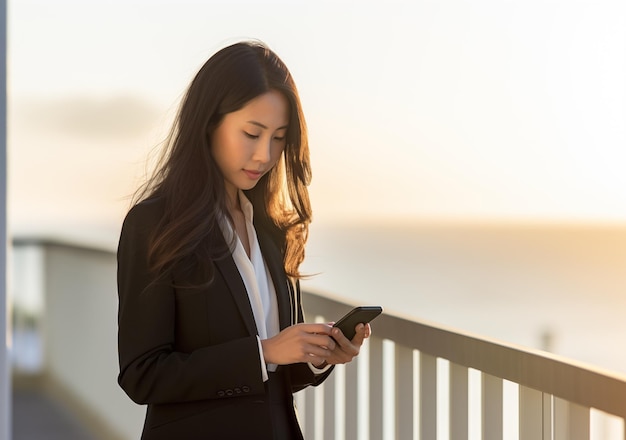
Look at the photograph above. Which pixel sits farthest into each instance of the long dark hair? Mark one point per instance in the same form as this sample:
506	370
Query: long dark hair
190	182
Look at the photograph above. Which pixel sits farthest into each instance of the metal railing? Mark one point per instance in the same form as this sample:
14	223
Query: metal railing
416	380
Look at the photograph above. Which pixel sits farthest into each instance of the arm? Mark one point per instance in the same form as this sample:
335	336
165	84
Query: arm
151	370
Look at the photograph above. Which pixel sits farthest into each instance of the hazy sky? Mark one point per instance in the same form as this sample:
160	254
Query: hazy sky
425	109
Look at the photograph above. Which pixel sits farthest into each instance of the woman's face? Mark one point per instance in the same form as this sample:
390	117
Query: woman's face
248	142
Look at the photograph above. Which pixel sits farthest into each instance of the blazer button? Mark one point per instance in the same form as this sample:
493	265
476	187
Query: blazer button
221	393
237	390
245	389
229	392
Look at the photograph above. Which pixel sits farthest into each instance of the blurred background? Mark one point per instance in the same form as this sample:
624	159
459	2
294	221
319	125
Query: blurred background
467	156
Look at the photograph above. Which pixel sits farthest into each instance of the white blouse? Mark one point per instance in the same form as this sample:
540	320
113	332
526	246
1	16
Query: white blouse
258	282
256	278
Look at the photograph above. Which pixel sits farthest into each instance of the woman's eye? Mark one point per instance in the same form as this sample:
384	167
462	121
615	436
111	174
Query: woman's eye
279	138
250	135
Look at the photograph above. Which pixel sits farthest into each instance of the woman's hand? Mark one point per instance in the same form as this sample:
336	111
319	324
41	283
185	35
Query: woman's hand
313	343
300	343
345	350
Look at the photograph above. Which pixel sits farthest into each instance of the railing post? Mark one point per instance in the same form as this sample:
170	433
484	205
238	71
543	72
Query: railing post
530	414
428	396
459	402
405	406
376	387
330	390
571	421
492	408
548	416
579	422
352	400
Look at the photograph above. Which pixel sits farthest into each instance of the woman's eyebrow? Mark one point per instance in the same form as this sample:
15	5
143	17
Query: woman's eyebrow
258	124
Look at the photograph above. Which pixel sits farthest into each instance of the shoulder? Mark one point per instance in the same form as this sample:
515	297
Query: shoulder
147	212
142	220
147	208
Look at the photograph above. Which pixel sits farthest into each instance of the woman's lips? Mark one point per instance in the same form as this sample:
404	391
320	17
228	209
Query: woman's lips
254	175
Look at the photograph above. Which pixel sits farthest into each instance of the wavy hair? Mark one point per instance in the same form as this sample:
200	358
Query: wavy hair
192	185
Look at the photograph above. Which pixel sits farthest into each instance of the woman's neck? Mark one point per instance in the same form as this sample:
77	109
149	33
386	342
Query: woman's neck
238	218
232	200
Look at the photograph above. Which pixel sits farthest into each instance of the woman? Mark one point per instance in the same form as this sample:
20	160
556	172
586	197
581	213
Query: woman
211	332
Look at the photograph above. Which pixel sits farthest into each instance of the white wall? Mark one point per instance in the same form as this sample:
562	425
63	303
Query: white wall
80	328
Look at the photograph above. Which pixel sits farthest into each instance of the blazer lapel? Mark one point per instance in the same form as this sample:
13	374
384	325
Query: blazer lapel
230	273
274	260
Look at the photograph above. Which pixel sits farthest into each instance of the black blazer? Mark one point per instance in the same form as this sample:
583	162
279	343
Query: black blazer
191	354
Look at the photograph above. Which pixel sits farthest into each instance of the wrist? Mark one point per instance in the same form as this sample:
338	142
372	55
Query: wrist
266	351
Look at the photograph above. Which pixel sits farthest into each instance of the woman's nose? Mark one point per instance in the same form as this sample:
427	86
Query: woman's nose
262	151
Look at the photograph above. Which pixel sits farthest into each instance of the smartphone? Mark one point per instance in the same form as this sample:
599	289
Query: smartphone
362	314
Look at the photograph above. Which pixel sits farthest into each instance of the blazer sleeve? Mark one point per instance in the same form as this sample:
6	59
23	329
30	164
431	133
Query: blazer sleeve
151	370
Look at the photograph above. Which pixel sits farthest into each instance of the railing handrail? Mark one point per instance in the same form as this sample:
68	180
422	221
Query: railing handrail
571	380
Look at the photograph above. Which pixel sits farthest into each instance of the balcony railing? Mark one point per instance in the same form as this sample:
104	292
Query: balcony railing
413	380
416	380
